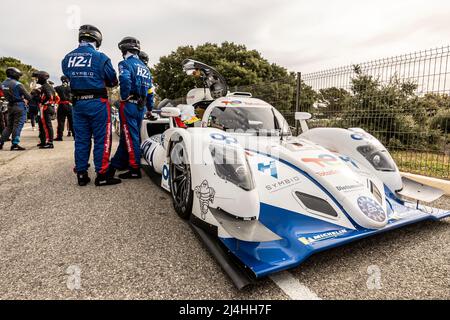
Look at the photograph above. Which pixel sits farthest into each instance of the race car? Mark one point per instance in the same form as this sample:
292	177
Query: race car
262	199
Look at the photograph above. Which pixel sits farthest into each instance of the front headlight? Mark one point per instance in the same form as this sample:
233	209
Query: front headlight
379	159
231	165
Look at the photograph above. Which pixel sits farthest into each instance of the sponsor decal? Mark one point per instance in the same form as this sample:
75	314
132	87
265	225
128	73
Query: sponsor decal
271	167
349	160
357	137
223	138
205	195
232	102
371	209
283	184
255	103
163	137
322	236
165	172
327	173
349	188
145	148
323	160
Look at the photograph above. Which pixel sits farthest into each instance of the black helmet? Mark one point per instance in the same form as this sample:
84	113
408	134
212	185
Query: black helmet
42	76
90	33
64	79
13	73
144	57
129	44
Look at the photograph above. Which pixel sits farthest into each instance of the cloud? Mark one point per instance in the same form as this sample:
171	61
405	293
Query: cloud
300	35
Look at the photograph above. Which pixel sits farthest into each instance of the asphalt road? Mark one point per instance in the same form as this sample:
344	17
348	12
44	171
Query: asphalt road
59	241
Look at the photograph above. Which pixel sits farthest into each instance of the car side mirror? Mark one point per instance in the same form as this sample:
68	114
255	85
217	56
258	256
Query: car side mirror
170	112
302	117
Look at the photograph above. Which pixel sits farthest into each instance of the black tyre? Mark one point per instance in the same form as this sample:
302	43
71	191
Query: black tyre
180	181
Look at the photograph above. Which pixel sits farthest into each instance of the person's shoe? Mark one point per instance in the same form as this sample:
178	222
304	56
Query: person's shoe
58	139
111	172
47	146
40	144
83	178
106	180
16	147
131	174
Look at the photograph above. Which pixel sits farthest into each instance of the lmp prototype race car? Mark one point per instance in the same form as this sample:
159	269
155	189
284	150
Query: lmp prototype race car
263	200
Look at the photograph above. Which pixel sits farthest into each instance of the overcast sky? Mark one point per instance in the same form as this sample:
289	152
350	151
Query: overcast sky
301	35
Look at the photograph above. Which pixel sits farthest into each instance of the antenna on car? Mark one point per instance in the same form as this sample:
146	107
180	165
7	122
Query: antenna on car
282	132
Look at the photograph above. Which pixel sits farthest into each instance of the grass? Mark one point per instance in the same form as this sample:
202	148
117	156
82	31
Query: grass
428	164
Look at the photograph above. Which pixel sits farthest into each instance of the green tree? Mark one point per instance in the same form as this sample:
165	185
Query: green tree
27	70
335	99
236	63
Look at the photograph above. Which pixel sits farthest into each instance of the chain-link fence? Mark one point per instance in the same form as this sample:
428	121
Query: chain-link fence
403	101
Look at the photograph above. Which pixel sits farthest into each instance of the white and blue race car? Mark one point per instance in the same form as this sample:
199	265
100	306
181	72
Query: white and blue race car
264	200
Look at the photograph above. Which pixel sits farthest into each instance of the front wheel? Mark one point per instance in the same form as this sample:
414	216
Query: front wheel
180	181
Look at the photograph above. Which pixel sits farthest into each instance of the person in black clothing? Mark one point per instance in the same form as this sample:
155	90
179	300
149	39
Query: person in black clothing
3	108
64	108
33	107
46	110
16	94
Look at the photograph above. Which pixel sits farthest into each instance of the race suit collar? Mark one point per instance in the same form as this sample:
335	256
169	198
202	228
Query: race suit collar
129	54
85	44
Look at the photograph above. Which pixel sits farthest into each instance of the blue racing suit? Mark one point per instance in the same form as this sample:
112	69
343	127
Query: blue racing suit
90	72
135	80
15	93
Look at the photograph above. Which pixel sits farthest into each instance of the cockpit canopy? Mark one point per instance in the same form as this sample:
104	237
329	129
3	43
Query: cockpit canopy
211	78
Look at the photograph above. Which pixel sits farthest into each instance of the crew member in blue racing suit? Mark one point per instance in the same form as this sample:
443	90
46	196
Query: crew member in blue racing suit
16	94
90	72
135	80
151	91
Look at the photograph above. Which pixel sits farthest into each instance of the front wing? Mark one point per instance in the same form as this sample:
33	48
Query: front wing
303	236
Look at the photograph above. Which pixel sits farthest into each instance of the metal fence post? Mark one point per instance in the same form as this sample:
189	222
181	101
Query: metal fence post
297	102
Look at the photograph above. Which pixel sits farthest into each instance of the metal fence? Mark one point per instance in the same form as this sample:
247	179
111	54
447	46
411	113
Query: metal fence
403	101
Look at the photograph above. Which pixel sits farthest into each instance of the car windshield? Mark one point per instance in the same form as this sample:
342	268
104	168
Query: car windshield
252	120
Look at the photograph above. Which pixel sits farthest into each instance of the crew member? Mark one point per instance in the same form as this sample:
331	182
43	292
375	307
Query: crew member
64	108
3	105
16	94
151	91
46	109
33	107
135	80
90	72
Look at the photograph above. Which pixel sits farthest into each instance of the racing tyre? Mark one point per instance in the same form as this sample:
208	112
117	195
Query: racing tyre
180	181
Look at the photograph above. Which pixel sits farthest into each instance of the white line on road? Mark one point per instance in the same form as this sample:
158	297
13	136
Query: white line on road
293	287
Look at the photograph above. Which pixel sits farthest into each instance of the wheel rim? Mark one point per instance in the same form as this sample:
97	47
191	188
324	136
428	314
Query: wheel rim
180	177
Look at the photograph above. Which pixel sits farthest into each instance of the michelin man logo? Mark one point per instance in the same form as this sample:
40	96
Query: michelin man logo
371	209
205	195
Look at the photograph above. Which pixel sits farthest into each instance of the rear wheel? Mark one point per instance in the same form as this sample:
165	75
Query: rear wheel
180	181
